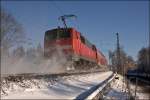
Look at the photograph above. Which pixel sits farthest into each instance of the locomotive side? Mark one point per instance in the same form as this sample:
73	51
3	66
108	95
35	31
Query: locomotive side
77	49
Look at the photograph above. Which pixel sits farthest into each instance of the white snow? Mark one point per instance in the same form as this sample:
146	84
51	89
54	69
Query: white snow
119	91
140	94
67	87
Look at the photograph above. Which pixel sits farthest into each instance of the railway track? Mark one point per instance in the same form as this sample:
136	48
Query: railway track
20	77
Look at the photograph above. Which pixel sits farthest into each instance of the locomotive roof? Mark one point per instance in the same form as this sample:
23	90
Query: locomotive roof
61	29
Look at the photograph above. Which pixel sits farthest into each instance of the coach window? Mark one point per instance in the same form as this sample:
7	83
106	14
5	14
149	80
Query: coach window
64	34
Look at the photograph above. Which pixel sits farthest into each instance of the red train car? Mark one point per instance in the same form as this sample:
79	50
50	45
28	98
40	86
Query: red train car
74	45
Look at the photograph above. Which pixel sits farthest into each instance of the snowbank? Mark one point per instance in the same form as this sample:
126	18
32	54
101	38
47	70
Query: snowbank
119	91
67	87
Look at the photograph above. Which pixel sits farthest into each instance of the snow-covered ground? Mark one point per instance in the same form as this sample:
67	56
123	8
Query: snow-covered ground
119	91
143	92
67	87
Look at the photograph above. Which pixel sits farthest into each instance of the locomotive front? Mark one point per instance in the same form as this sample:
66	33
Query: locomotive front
57	41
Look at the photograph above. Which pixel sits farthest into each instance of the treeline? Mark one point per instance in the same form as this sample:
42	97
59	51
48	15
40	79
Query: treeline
121	64
143	63
124	63
31	52
17	52
13	38
12	33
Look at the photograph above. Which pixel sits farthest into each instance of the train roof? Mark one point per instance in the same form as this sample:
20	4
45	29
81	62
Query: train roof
69	28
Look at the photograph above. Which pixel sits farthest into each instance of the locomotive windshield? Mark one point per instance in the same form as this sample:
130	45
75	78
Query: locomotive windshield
57	34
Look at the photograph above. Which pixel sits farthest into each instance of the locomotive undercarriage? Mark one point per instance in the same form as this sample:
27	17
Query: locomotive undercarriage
73	62
79	63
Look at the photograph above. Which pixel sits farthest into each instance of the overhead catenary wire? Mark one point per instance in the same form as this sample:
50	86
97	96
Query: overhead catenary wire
58	8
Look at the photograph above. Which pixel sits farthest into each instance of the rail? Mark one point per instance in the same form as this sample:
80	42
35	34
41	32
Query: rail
18	77
94	91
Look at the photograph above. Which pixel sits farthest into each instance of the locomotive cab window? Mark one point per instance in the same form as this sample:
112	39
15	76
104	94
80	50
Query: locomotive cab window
57	34
50	36
63	34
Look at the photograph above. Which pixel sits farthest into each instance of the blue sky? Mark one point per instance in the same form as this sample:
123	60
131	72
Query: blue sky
97	20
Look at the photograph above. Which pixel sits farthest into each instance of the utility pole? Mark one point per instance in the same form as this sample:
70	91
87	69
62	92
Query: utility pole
118	57
120	65
118	54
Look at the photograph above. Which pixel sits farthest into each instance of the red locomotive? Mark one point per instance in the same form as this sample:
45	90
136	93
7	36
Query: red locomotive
77	49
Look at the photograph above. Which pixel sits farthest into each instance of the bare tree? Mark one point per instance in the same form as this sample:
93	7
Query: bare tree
39	50
11	33
126	61
19	52
143	60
